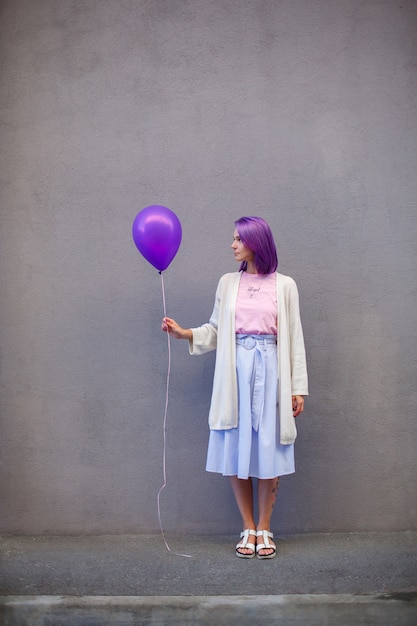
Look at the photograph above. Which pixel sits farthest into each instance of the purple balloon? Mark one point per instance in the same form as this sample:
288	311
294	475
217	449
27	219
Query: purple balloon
157	234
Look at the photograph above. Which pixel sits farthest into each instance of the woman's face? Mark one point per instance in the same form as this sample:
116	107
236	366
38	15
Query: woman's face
241	252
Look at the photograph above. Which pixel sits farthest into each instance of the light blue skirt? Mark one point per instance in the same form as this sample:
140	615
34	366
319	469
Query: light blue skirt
253	449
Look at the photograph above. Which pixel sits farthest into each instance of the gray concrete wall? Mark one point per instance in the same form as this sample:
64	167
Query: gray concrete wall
302	111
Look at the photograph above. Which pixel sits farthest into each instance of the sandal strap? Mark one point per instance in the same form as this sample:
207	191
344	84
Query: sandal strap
245	541
266	545
264	533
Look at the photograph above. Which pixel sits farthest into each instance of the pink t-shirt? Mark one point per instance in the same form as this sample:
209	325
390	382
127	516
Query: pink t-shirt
256	307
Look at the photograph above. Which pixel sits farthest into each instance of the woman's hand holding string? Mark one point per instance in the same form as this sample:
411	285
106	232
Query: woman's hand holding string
175	330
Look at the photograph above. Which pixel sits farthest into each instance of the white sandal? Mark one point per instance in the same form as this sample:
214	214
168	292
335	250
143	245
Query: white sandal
245	543
266	545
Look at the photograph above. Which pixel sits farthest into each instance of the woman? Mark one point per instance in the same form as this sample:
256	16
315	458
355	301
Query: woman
260	378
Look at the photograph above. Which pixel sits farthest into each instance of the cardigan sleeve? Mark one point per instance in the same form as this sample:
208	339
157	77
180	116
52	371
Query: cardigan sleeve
204	339
299	378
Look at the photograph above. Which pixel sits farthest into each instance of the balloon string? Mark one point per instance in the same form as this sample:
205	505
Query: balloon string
164	431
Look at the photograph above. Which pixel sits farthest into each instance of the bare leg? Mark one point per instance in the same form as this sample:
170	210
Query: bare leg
267	495
243	491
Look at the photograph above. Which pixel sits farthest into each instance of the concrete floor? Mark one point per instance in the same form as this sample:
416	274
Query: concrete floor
359	578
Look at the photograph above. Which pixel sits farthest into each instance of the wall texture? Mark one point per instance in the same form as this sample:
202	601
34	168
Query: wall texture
304	112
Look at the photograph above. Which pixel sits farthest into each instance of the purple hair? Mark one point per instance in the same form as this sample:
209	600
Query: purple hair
256	235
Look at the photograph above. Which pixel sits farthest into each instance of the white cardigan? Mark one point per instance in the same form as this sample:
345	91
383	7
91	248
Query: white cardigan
219	334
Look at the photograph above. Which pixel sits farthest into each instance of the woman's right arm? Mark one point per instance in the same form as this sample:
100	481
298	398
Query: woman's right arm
201	339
